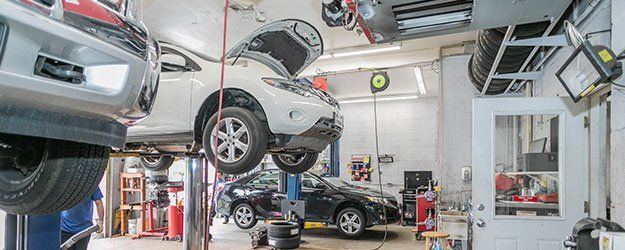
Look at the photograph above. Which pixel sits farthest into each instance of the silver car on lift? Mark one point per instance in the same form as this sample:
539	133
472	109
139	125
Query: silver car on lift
73	76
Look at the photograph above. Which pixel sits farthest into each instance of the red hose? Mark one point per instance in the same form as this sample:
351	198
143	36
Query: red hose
220	104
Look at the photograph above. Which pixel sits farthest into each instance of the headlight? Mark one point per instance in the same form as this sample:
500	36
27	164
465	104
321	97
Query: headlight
383	201
288	86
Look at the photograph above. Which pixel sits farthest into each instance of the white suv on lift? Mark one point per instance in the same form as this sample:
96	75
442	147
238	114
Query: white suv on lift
265	110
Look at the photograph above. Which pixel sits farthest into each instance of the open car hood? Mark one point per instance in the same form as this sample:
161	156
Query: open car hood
286	46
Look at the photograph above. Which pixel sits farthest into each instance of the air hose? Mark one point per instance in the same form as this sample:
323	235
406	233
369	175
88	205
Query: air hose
377	152
219	108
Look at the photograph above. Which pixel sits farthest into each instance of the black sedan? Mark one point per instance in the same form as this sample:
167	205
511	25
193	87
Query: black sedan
329	200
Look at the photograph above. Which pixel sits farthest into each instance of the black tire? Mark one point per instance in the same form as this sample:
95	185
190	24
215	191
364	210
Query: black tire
281	229
256	141
295	164
157	163
56	175
362	221
250	222
478	79
527	30
284	243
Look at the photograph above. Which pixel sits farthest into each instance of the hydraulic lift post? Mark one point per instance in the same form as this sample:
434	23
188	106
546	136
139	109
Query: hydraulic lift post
294	186
33	232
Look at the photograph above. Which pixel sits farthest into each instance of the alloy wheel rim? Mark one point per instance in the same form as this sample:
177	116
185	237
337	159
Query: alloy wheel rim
21	160
233	140
292	160
350	222
244	216
153	160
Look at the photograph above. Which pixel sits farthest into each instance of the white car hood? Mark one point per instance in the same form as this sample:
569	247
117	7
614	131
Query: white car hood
286	46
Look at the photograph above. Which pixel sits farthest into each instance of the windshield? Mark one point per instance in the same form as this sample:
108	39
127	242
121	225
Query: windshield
336	181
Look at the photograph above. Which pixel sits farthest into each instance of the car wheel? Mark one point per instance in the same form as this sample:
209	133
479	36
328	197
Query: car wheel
351	222
295	163
157	163
245	216
241	138
41	176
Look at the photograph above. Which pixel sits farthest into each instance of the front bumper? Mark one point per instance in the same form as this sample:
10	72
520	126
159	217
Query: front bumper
120	62
315	139
375	213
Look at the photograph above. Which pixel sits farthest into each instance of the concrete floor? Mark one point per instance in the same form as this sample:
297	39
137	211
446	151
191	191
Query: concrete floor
232	238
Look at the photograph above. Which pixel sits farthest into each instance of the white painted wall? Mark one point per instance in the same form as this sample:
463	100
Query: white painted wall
617	166
599	20
407	129
456	124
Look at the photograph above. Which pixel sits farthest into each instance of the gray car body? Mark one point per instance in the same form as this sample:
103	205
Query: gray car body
121	64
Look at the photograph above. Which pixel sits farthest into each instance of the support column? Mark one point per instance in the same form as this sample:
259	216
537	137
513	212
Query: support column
193	221
617	140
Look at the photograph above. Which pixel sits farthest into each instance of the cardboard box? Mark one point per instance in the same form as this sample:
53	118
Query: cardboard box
611	241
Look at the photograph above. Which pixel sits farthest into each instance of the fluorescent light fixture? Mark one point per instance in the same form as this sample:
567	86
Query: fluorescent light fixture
381	99
360	52
420	82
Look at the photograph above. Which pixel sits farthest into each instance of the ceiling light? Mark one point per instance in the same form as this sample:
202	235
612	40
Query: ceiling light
360	52
420	82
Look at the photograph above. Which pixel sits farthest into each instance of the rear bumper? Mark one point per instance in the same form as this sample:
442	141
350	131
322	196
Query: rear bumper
120	80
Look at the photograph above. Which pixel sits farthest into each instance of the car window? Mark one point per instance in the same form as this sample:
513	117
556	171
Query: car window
174	61
270	179
309	181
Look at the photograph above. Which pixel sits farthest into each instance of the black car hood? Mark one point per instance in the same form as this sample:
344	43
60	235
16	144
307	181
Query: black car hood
359	190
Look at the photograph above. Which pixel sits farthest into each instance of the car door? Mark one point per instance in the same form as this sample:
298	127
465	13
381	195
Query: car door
171	111
319	198
265	197
528	196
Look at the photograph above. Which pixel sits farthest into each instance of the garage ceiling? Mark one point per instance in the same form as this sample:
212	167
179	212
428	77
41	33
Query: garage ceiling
197	25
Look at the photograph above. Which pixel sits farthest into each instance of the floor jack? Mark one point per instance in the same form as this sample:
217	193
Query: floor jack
175	218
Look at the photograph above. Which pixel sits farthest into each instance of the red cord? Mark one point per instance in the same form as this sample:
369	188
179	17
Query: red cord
221	97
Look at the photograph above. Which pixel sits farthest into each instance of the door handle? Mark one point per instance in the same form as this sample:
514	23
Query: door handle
480	223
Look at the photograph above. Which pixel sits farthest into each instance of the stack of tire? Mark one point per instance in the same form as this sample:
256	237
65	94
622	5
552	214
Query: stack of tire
283	235
487	46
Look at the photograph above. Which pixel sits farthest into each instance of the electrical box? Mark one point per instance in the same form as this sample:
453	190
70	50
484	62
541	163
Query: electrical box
611	241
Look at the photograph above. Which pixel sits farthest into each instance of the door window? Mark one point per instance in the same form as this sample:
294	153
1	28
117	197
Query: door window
309	181
174	61
267	179
527	166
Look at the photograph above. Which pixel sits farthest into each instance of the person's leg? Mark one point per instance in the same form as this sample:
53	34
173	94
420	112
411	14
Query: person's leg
82	244
226	219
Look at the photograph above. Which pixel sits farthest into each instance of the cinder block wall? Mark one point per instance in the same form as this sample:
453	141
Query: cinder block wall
407	129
